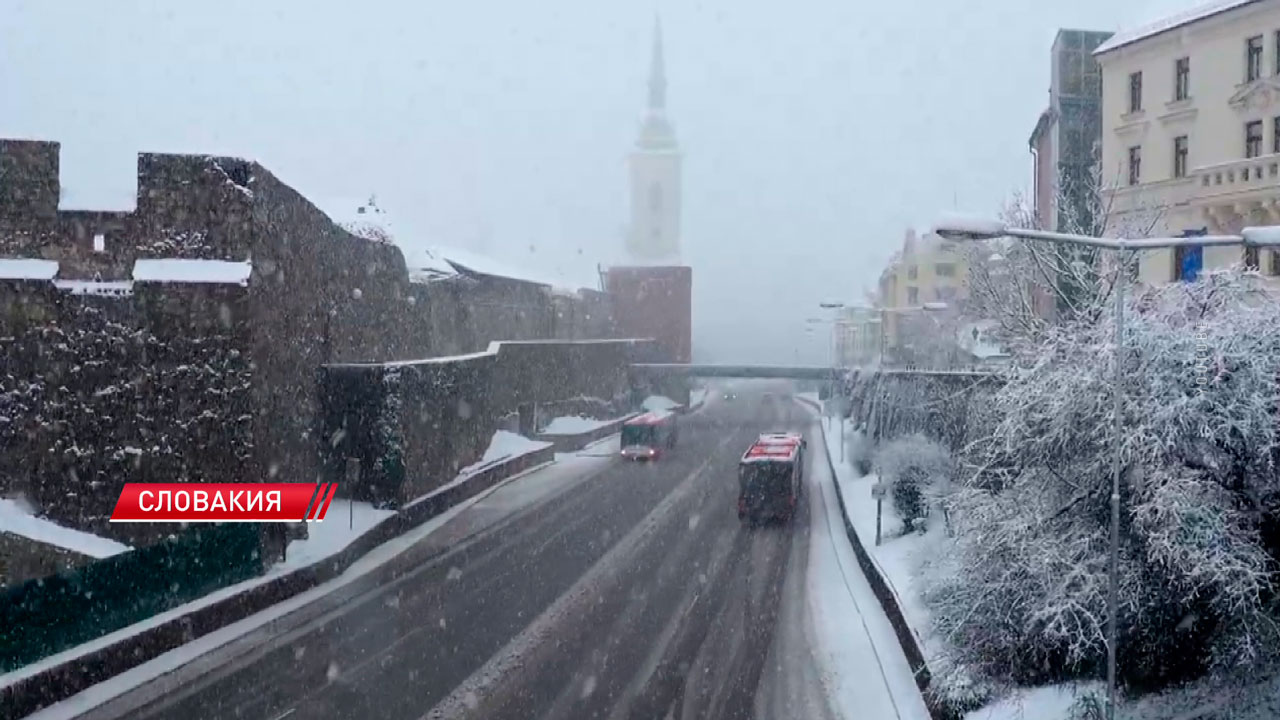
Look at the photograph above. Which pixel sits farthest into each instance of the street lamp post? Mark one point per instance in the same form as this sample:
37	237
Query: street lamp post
978	229
834	307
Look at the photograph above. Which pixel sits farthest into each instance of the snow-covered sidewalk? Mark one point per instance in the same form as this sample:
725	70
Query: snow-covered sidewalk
866	670
899	554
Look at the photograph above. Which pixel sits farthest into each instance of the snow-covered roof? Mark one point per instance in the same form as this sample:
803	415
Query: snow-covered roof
652	417
772	450
1172	22
467	261
219	272
27	269
425	266
363	218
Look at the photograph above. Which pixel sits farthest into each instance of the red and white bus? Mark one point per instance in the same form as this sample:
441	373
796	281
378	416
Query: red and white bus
648	436
770	476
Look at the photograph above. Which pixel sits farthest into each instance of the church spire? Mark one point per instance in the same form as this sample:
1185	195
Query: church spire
657	71
657	133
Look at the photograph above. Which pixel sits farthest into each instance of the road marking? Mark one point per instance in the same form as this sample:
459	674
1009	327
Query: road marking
469	698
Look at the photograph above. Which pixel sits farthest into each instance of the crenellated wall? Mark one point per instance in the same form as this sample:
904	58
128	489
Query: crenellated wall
181	381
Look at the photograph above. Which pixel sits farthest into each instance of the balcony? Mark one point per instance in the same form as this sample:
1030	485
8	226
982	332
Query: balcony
1239	191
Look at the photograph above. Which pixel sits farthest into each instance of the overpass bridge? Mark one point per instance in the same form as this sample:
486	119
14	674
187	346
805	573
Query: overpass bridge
662	371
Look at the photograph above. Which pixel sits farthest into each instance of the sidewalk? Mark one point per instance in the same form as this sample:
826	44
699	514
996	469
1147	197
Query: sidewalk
868	674
896	558
112	664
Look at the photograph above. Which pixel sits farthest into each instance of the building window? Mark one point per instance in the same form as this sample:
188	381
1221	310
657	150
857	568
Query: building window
1253	139
1180	156
1275	263
945	270
1277	52
1253	58
913	296
655	198
1135	92
1275	135
1182	79
1135	165
912	272
1251	258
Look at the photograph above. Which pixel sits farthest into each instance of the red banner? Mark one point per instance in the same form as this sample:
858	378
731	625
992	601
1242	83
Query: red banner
224	502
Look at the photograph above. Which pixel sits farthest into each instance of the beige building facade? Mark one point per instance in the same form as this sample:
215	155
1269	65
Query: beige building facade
857	336
1191	133
927	270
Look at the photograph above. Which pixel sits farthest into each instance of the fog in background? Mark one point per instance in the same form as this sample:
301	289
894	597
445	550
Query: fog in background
814	132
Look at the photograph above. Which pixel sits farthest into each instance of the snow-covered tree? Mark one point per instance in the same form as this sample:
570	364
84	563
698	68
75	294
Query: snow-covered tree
1023	590
1027	286
912	465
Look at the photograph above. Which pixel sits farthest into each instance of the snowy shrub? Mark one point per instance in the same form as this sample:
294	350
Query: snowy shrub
1026	597
1088	706
910	465
859	448
955	689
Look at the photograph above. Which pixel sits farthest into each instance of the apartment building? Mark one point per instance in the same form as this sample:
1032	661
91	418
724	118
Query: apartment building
928	269
1191	133
857	336
1068	134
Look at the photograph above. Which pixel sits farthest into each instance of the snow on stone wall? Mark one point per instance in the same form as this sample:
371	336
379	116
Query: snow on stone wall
101	391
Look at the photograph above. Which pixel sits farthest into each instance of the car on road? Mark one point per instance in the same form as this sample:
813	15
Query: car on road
648	436
770	476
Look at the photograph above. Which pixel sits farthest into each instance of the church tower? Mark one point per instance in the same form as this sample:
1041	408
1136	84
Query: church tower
653	235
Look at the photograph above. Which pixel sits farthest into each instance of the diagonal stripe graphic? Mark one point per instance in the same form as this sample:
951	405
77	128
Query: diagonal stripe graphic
333	490
306	517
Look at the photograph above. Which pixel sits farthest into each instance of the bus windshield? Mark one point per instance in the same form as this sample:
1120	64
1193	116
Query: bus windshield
639	434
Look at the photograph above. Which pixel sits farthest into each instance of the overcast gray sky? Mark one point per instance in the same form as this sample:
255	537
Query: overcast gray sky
815	131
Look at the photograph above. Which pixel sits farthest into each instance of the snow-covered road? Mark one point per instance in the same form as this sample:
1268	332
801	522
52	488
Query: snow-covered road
590	588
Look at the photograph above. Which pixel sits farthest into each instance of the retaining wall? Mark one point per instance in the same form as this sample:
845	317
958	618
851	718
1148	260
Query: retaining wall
413	425
64	679
945	407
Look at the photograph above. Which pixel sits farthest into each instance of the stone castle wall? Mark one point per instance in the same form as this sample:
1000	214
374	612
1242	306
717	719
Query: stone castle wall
208	382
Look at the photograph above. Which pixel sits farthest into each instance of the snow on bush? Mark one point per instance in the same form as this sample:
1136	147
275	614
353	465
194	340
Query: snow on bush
1024	595
911	464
